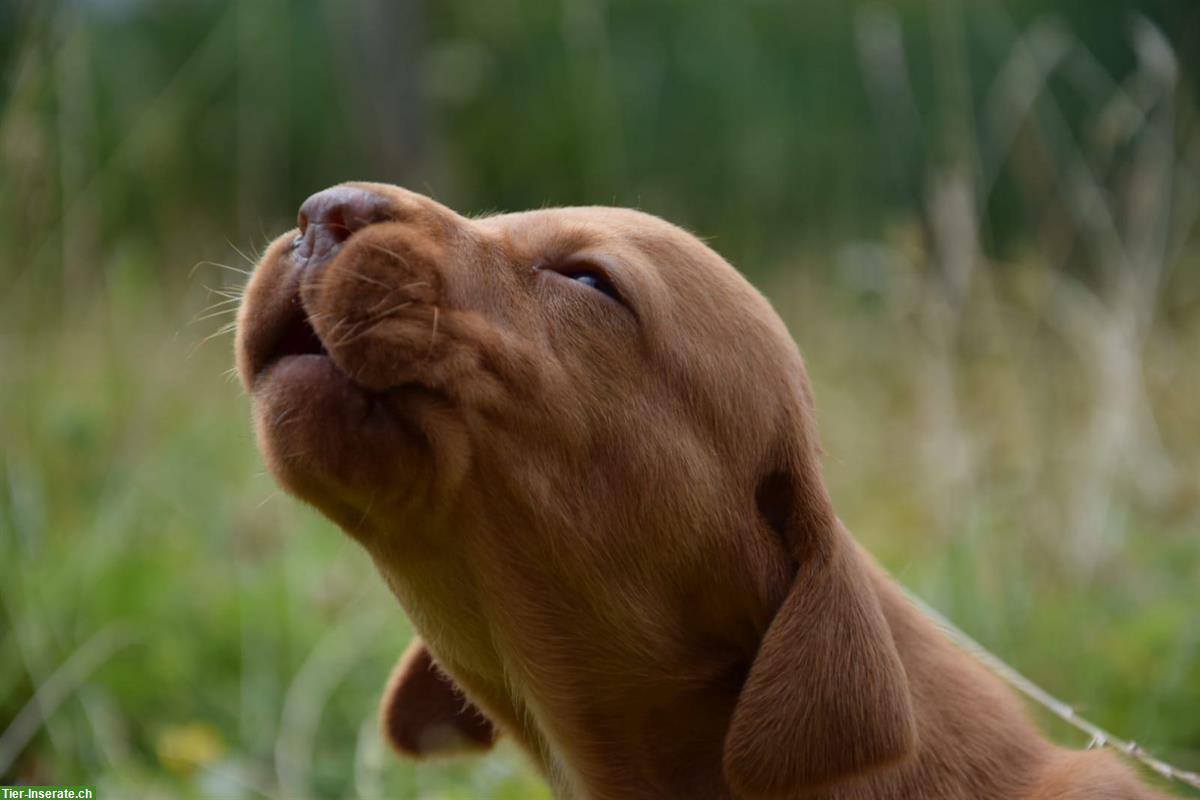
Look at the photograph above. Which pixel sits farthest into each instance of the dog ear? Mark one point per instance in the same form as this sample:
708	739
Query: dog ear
424	713
826	697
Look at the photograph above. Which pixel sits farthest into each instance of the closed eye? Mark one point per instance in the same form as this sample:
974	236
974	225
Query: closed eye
595	276
594	280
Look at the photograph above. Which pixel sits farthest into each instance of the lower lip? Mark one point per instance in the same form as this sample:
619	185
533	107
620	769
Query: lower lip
308	372
301	366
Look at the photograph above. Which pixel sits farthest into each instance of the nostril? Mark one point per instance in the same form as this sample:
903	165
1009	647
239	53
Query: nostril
339	224
333	215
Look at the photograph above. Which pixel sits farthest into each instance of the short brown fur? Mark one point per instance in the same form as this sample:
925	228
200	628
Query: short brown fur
607	518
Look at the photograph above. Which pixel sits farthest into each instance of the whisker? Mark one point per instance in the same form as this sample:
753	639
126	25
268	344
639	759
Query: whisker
218	313
332	335
218	264
370	280
224	302
388	252
268	498
230	294
221	331
354	332
262	231
432	334
316	317
236	249
373	322
218	304
374	309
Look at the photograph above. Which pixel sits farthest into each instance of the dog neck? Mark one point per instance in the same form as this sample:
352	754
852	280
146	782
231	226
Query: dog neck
613	711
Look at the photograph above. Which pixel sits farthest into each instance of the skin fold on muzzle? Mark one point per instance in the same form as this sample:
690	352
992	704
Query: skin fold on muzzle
580	449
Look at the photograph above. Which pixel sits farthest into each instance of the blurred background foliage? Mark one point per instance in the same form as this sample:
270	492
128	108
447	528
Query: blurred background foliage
978	218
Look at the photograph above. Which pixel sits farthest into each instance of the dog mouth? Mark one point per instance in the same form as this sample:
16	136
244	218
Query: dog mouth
284	336
352	323
296	336
279	349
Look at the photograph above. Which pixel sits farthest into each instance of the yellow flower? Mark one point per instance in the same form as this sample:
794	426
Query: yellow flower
183	748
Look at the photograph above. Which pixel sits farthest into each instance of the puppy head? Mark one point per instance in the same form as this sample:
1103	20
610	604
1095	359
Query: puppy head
401	356
594	406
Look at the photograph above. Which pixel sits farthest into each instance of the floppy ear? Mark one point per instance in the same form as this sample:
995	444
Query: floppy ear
826	697
423	712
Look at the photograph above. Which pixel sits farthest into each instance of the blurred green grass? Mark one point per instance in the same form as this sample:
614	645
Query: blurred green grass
1000	306
134	499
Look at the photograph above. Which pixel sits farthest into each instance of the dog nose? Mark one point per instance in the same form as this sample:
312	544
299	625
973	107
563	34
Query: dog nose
331	216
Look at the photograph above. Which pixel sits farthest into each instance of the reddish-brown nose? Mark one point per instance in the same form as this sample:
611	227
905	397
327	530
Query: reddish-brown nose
331	216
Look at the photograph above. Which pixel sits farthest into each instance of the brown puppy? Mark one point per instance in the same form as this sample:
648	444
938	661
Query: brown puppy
580	448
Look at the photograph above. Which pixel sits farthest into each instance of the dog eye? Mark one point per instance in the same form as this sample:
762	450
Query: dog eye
594	280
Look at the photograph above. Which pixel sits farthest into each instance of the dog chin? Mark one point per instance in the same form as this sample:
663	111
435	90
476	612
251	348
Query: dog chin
334	444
